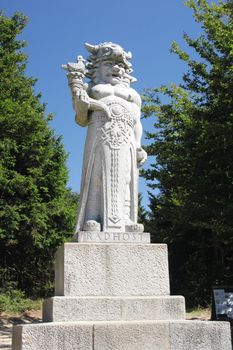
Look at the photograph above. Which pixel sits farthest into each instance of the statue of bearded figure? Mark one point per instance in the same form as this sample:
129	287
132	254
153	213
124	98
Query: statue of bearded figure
110	109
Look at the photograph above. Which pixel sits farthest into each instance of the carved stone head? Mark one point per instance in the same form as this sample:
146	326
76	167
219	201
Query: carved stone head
109	63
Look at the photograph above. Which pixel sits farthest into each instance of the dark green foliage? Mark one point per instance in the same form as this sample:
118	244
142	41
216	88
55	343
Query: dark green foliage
37	212
192	175
142	213
13	301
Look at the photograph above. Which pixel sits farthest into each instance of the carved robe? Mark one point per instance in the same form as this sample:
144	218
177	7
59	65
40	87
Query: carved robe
109	187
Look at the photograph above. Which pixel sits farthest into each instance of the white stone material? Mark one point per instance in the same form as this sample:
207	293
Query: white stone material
130	335
84	269
53	336
64	309
110	109
162	335
91	225
111	237
203	335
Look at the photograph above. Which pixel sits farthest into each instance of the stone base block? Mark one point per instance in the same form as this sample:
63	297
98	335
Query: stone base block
163	335
149	335
62	309
95	269
53	336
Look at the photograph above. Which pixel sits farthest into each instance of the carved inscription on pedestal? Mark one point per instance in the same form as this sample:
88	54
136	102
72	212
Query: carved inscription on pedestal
110	237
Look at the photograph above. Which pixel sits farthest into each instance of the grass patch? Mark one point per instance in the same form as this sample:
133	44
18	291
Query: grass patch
15	302
199	312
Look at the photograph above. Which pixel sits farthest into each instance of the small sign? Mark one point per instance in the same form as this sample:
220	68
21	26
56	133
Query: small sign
222	303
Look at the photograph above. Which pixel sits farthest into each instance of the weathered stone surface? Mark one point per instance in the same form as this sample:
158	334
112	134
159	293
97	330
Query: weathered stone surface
111	237
61	309
162	335
84	269
53	336
203	335
130	335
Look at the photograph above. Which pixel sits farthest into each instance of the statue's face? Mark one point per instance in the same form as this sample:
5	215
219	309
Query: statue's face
111	72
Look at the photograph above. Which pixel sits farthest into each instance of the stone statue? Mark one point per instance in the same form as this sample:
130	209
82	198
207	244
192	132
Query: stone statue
110	109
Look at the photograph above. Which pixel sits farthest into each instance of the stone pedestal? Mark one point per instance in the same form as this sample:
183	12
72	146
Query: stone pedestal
116	296
94	269
130	335
64	309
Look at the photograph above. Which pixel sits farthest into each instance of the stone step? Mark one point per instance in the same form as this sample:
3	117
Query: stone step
117	269
130	335
62	309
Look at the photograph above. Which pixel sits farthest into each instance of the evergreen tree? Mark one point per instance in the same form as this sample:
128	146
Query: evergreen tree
37	211
142	213
192	177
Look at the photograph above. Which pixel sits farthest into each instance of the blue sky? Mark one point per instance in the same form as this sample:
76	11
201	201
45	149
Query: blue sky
57	31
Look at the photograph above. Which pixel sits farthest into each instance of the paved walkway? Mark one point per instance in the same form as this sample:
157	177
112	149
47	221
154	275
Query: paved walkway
5	335
6	325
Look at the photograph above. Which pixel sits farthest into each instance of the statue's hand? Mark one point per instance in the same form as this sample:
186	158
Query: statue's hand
141	156
81	101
